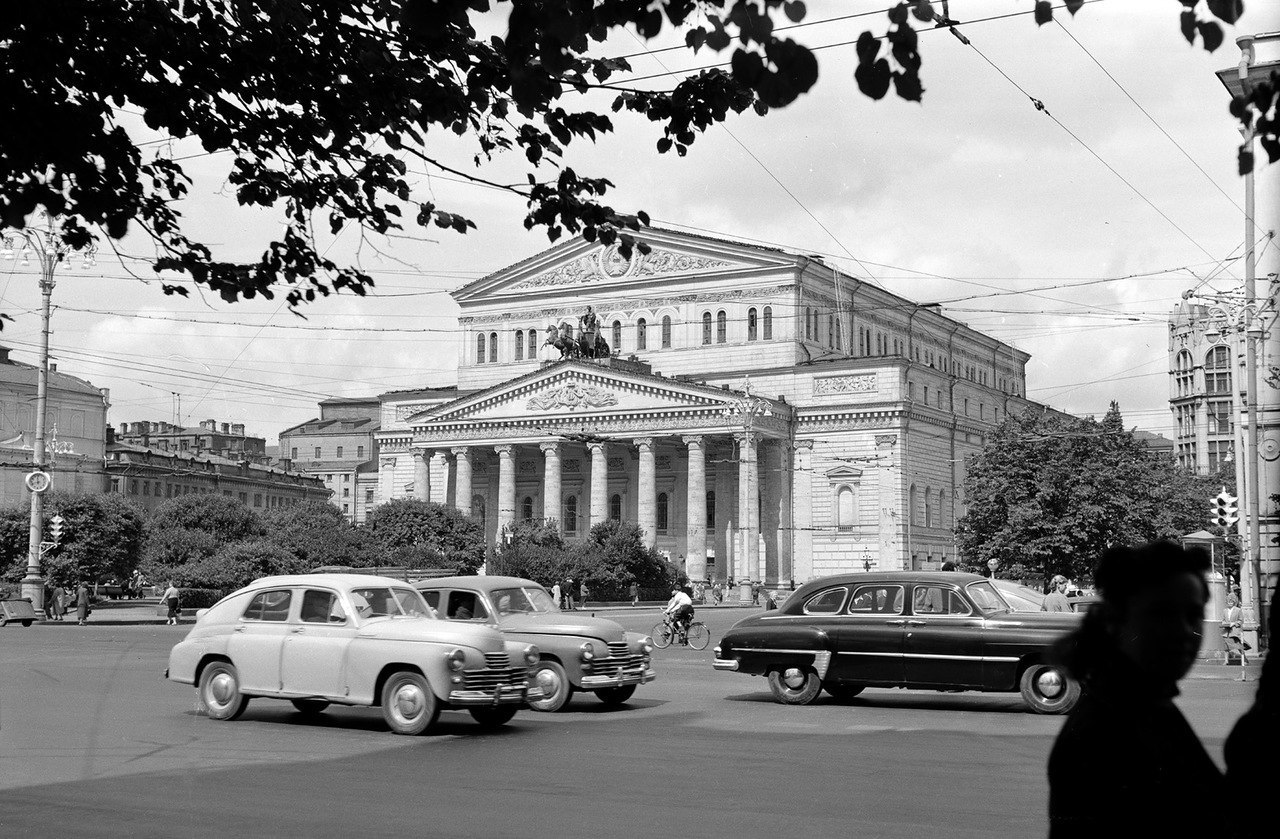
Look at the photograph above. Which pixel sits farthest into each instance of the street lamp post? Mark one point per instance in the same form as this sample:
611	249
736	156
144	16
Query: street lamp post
745	410
46	245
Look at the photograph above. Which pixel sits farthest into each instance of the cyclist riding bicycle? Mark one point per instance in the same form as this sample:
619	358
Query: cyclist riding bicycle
680	610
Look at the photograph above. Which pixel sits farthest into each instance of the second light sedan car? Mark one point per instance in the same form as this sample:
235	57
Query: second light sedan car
350	639
935	630
578	652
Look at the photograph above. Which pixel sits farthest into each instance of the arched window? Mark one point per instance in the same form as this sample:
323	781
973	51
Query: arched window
642	334
662	512
493	346
571	514
519	345
722	327
1217	371
526	508
768	323
480	345
666	332
751	323
711	510
617	335
808	333
942	508
845	512
533	344
615	507
706	327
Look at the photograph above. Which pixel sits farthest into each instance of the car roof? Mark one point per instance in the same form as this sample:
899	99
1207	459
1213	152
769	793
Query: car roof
488	582
947	577
325	578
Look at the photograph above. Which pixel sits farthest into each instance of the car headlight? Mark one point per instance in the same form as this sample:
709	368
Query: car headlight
531	655
587	651
646	644
456	659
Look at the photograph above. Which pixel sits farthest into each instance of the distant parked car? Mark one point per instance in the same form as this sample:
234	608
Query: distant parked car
577	652
350	639
913	629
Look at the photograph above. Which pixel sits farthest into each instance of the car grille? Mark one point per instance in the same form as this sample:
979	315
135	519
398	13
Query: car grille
620	658
491	678
496	661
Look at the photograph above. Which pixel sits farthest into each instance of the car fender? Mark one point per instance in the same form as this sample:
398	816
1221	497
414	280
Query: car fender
369	662
760	647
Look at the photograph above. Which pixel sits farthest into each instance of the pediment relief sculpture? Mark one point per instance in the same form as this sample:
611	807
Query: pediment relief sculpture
609	264
573	396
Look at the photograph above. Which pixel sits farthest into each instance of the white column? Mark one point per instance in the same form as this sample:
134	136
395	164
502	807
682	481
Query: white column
462	479
439	469
786	533
770	497
695	547
802	515
748	514
506	489
599	506
646	506
422	474
551	482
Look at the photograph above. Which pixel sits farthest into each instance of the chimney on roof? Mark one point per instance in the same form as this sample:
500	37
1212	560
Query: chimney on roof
237	429
110	435
209	425
226	428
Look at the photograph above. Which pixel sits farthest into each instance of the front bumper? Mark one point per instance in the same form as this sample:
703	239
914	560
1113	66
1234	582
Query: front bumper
502	695
725	663
619	679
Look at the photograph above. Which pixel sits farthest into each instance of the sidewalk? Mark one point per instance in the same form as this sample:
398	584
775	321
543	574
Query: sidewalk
123	613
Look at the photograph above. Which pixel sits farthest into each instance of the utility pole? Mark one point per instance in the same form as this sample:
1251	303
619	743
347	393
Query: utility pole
46	245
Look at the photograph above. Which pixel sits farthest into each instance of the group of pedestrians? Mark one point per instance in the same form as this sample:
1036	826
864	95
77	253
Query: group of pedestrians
58	602
563	594
1126	762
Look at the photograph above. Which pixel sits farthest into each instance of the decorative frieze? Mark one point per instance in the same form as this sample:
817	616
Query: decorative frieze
572	396
621	426
632	304
664	462
527	467
616	464
609	264
860	383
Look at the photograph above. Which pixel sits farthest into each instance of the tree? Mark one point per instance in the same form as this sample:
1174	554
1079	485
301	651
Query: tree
318	105
195	527
102	538
318	534
1051	493
537	551
423	531
15	536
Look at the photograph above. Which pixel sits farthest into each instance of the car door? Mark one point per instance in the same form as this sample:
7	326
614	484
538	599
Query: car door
314	653
869	636
943	642
465	605
257	640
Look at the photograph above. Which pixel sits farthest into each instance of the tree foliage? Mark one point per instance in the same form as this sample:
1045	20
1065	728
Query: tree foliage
1051	493
318	534
102	538
321	107
421	532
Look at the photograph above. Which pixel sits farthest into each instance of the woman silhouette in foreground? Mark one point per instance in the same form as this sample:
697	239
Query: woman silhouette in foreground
1126	762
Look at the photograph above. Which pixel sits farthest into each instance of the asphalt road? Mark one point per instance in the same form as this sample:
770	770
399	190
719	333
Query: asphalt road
94	743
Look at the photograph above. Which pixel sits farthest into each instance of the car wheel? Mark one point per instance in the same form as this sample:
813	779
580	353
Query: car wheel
408	704
843	691
615	696
794	685
26	623
494	717
220	695
1047	690
556	689
310	707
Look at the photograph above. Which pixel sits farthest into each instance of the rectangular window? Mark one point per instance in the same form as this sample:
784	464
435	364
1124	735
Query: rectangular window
257	499
1219	418
368	496
360	452
346	492
293	453
339	452
244	497
317	455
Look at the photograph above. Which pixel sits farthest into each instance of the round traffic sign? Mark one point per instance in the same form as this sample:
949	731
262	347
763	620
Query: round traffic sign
38	481
993	563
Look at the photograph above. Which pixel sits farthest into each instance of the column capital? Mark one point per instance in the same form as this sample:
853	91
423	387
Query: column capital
549	448
692	440
596	447
643	443
461	451
802	445
505	450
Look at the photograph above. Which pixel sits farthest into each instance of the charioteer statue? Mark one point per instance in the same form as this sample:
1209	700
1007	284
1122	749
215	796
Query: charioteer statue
589	344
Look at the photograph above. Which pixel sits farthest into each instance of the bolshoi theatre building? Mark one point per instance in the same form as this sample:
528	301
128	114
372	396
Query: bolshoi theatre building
761	415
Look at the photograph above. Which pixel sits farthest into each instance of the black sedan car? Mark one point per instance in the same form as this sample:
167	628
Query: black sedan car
911	629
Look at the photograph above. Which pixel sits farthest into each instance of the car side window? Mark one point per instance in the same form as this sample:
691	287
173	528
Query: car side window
938	600
826	602
433	599
321	607
876	600
466	606
269	606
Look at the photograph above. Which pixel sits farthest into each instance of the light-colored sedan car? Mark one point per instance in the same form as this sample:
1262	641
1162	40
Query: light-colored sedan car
350	639
578	652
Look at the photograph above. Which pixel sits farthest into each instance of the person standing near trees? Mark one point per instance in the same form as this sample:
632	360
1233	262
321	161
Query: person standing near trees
1056	599
82	603
635	593
59	597
555	595
170	599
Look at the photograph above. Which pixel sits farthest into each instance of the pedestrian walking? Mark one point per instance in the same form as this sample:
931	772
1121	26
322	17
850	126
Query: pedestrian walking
568	594
582	594
1126	762
59	598
556	595
635	594
82	603
1232	622
1252	747
48	603
170	600
1056	599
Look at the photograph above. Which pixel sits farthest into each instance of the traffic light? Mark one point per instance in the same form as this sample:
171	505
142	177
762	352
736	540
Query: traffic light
55	529
1223	509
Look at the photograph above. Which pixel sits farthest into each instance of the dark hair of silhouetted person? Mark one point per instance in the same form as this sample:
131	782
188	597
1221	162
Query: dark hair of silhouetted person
1122	573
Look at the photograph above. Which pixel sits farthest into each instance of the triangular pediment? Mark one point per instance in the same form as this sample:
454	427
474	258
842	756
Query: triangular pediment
844	472
577	389
580	266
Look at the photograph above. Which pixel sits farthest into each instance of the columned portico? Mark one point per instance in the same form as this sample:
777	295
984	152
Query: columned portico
599	508
462	479
551	481
695	552
506	490
646	509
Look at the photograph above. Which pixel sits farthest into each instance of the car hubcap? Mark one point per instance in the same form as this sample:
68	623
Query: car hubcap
1049	683
793	678
549	682
409	702
222	687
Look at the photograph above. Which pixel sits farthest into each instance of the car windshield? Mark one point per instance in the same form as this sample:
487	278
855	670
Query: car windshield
1019	597
987	598
382	602
527	600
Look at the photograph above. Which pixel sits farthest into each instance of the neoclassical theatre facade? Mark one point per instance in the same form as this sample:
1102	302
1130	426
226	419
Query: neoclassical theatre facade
762	415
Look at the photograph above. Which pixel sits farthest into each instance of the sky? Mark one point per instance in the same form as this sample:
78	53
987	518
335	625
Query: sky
1070	231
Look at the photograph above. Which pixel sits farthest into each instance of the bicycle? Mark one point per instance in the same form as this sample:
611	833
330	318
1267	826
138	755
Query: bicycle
668	632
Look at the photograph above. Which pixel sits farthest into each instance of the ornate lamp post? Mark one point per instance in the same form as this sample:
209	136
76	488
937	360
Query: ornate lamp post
44	244
745	409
